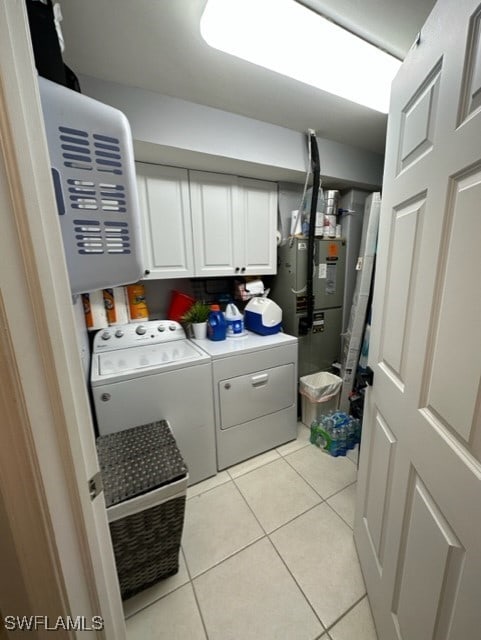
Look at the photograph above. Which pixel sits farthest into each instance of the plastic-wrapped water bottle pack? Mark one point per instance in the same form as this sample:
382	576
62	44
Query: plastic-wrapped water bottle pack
336	432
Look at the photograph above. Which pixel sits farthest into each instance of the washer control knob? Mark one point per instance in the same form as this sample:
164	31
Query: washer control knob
161	327
172	327
119	333
141	330
105	335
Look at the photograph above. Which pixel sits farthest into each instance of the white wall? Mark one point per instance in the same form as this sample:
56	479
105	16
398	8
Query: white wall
158	294
172	131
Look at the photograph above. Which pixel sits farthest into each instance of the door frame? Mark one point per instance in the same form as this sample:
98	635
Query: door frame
54	534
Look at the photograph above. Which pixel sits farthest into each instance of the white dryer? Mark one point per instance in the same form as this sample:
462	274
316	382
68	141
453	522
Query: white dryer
255	394
143	373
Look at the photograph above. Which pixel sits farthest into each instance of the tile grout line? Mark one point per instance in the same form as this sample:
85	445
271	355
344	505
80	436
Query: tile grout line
267	533
280	456
302	477
154	602
197	495
341	490
233	480
265	464
299	515
298	586
232	555
185	561
191	579
191	582
312	487
238	550
199	608
284	457
305	443
338	514
348	610
324	631
276	449
247	504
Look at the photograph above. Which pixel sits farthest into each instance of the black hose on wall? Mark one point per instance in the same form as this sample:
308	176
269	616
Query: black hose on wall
316	172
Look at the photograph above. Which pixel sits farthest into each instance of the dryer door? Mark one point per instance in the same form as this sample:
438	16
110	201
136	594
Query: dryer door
251	396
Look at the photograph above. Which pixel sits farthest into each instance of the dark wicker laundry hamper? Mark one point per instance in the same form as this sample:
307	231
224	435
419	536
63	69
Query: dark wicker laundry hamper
145	483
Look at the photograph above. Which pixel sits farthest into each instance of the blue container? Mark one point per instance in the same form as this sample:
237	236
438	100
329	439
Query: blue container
216	324
253	322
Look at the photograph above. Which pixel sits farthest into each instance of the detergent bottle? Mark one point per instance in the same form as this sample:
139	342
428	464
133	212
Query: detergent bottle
216	324
234	320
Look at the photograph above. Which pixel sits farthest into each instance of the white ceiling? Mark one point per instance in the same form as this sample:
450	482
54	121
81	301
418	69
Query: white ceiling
156	45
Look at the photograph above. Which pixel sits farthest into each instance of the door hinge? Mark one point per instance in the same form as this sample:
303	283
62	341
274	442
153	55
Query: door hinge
95	485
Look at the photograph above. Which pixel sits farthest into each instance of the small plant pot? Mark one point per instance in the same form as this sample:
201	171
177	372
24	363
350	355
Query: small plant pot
200	330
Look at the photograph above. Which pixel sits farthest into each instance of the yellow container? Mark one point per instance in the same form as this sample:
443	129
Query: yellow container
94	310
89	321
137	304
110	305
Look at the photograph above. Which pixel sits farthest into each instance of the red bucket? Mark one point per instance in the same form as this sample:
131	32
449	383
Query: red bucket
179	304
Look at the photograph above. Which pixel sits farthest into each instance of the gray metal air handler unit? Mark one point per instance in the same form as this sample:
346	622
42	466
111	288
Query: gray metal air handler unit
319	345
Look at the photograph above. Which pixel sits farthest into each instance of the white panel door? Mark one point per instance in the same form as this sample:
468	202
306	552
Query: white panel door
215	209
418	517
259	217
166	221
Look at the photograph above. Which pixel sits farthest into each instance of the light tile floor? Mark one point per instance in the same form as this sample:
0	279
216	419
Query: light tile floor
267	553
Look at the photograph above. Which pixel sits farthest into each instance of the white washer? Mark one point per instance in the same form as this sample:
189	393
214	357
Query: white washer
146	372
255	394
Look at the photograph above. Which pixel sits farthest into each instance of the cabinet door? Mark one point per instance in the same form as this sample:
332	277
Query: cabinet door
258	213
214	200
167	226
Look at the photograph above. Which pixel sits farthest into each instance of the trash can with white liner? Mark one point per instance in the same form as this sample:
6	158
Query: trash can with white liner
320	394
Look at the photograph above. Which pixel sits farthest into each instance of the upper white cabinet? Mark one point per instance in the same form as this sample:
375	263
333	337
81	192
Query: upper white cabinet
258	213
215	206
234	225
167	230
206	224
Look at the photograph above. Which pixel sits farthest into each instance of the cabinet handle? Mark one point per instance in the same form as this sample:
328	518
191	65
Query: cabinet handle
147	272
243	269
227	385
237	269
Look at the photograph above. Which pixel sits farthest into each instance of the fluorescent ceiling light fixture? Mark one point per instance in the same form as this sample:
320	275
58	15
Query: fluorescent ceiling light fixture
286	37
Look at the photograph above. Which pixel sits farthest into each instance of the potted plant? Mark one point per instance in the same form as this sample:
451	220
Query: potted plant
197	317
